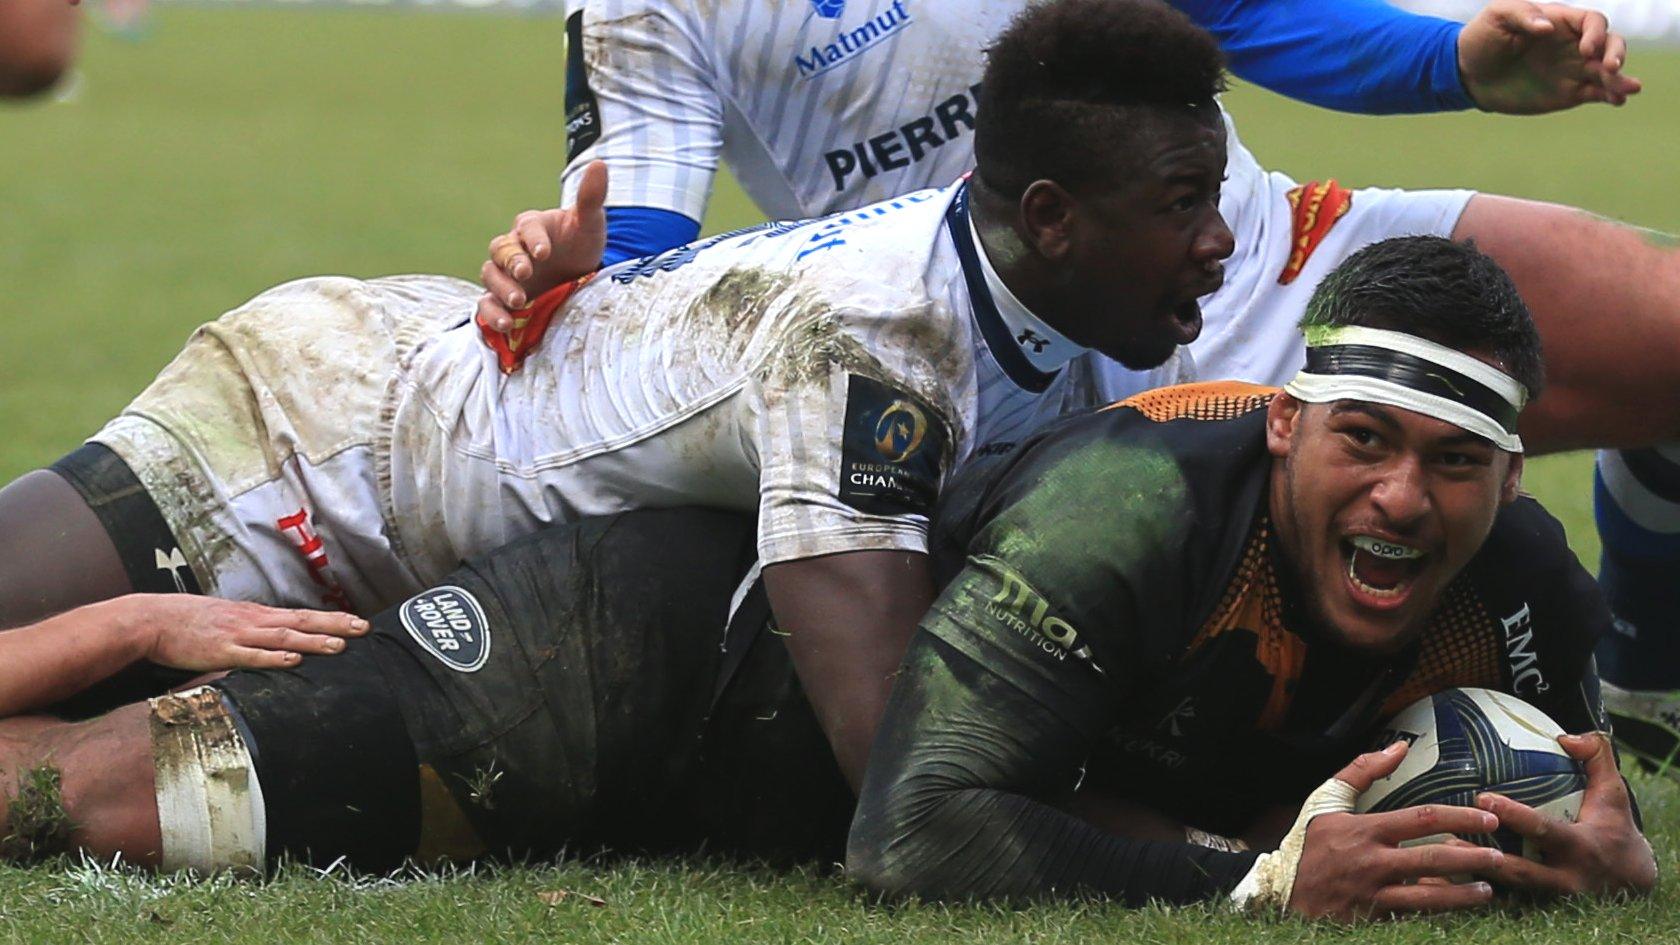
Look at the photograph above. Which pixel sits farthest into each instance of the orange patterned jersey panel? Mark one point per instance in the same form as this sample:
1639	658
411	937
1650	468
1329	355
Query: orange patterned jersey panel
1210	400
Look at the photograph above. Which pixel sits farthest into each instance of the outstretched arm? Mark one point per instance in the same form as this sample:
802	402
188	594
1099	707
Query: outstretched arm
1368	56
47	662
965	796
963	799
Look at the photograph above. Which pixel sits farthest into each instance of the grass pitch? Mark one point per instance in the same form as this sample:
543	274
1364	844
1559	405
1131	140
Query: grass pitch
232	149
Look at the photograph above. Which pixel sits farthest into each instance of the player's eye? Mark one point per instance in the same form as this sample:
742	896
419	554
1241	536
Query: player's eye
1364	438
1184	203
1461	459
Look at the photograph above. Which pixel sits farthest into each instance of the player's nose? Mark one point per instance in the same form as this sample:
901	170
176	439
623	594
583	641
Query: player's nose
1215	242
1401	494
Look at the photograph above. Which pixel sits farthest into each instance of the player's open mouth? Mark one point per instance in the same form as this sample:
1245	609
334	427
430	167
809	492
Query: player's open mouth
1187	319
1379	571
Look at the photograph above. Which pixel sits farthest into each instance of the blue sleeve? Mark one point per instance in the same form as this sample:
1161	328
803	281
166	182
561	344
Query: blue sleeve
633	232
1350	55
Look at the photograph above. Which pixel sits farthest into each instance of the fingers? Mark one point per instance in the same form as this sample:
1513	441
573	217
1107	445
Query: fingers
1368	768
284	638
1604	779
1519	817
1619	87
1521	873
492	314
1441	859
321	621
508	253
1594	29
1427	820
592	190
1522	18
247	657
528	226
503	288
1431	897
1615	54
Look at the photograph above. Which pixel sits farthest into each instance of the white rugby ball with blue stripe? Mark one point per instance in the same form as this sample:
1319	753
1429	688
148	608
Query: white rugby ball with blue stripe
1467	741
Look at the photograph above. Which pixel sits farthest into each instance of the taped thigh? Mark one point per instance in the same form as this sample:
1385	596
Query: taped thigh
210	804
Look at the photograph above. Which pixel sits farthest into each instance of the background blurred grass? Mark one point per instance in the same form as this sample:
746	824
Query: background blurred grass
233	149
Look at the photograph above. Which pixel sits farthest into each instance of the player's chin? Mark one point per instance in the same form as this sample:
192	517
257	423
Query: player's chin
1377	623
1179	325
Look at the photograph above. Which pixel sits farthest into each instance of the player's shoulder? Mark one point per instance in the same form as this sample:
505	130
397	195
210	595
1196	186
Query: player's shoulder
1529	580
1132	485
1527	544
1208	434
1203	402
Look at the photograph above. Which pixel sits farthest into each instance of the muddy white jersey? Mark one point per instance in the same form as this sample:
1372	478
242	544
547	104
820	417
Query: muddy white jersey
825	374
817	105
823	105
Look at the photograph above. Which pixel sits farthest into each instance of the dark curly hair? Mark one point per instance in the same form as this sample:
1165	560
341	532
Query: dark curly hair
1067	83
1451	293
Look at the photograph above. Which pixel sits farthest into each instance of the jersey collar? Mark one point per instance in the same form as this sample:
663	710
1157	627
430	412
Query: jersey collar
1028	350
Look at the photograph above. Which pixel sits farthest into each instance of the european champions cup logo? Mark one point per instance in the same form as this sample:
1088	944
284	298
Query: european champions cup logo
899	432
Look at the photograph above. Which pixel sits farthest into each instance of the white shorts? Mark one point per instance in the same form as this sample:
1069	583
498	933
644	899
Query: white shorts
259	443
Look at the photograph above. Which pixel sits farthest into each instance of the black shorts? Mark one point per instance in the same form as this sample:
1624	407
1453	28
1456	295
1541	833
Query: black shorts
552	695
149	555
144	542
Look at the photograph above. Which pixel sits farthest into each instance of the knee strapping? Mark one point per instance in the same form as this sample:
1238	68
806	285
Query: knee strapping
210	804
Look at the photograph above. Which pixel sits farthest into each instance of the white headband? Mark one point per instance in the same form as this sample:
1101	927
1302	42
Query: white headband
1412	373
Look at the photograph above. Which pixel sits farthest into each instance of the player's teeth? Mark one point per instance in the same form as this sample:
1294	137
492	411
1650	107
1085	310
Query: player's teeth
1353	575
1385	549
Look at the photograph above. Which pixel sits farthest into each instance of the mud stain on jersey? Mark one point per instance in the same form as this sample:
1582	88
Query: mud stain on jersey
727	316
1122	504
815	347
622	44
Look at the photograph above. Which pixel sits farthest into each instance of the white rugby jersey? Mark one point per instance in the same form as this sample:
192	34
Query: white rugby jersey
825	373
818	105
824	105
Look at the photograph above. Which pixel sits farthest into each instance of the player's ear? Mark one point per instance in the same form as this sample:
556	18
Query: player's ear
1047	218
1282	414
1513	480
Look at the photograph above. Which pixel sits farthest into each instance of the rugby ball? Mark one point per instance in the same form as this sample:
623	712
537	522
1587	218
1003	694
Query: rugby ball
1466	741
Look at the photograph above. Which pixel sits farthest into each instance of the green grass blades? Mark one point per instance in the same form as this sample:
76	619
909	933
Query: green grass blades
233	149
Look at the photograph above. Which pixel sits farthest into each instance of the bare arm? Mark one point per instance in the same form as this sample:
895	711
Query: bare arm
848	618
847	633
37	44
49	661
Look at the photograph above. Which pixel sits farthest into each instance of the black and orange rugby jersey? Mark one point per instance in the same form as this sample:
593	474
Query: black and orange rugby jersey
1120	570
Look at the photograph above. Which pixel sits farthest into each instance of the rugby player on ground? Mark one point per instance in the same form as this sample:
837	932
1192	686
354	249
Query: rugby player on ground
348	443
1208	598
826	106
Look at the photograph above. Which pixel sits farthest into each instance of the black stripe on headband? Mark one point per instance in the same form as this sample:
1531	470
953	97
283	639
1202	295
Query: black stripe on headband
1419	374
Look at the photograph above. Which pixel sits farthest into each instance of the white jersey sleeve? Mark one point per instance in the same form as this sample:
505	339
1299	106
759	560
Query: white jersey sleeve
848	461
640	95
